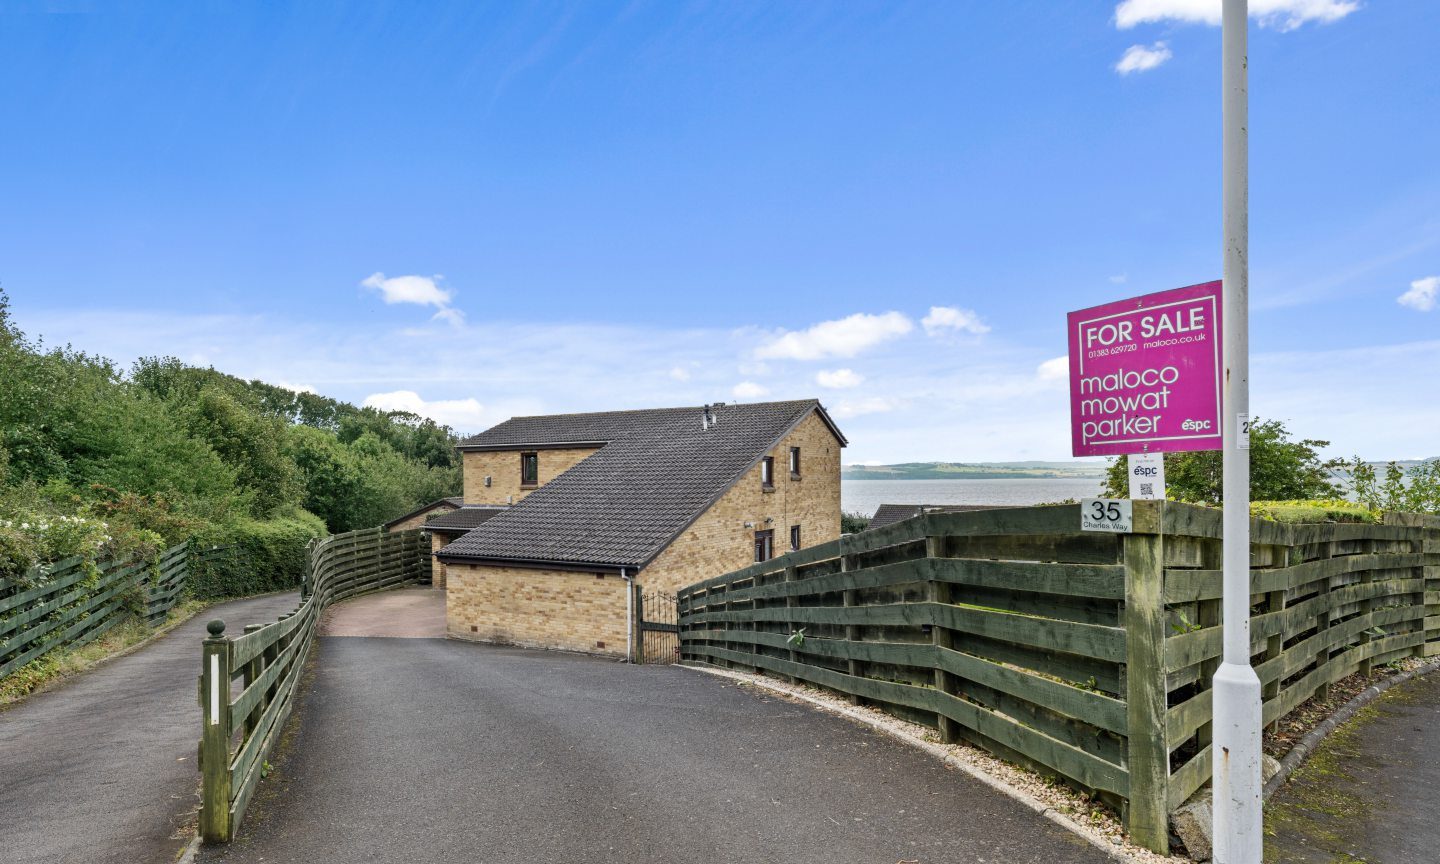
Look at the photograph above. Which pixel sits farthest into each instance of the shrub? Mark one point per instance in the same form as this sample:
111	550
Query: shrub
251	556
1323	510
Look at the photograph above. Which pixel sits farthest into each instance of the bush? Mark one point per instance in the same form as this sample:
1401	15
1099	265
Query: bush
252	556
1325	510
853	523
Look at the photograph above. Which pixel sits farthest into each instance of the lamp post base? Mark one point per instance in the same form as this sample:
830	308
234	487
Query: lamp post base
1235	757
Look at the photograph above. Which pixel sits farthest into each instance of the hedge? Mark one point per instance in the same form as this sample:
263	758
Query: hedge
249	556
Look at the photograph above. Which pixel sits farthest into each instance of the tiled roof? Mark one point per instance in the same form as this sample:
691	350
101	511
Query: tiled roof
657	471
889	514
463	519
426	508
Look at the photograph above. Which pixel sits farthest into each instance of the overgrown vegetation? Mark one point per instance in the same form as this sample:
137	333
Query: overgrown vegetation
853	523
1281	469
103	462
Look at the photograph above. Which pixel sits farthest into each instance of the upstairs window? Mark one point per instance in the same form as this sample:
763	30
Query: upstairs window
767	473
794	538
764	545
794	461
529	469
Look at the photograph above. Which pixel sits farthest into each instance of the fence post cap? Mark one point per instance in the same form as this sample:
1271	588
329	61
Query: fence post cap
216	627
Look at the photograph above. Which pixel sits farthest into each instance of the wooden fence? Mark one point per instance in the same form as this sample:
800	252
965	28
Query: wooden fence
71	602
241	720
1086	656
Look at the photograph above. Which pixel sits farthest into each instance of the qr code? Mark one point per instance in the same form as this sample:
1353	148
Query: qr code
1147	490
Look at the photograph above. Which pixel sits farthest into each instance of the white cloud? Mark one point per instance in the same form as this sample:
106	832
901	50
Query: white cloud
1119	278
1054	369
843	338
1282	14
871	405
680	373
419	290
749	390
463	415
1421	296
1139	58
943	318
296	388
838	379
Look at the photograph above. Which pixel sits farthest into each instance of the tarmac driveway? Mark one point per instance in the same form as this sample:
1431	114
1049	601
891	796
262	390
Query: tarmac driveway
101	770
429	750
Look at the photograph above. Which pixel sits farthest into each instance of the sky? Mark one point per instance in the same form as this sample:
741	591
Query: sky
480	210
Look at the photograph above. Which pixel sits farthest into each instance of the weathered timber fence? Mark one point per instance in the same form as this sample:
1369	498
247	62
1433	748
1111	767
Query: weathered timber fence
1086	656
240	721
71	602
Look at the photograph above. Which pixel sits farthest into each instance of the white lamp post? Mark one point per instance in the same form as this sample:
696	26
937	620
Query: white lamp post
1235	751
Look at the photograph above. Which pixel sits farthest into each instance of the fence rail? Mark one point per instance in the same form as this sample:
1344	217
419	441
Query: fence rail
72	602
241	720
1084	655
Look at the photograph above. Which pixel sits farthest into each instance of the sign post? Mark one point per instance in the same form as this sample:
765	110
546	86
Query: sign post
1235	748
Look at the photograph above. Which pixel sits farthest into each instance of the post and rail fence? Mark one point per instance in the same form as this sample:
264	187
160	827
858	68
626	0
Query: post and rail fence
1087	656
241	720
72	602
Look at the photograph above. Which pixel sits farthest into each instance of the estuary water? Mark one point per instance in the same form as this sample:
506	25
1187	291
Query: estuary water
863	496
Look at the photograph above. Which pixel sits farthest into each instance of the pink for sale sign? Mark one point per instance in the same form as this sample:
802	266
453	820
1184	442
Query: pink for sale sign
1145	373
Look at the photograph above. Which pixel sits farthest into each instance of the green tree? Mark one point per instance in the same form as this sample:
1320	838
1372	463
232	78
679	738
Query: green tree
1281	469
1399	491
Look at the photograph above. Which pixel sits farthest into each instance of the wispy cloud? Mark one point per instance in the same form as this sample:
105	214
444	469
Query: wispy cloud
950	319
679	373
1283	15
419	290
838	379
1141	58
845	337
847	408
1422	293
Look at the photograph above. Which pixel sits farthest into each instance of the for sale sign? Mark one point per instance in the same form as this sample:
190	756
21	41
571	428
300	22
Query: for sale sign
1145	374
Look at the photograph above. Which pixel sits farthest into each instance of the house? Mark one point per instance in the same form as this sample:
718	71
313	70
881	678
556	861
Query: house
659	498
416	518
449	527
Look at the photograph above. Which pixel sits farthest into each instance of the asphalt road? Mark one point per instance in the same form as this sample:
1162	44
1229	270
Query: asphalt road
101	770
428	750
1367	793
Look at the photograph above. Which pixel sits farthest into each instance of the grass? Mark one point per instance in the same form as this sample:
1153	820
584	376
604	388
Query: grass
65	662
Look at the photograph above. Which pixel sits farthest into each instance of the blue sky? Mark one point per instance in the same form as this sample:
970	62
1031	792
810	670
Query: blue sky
595	205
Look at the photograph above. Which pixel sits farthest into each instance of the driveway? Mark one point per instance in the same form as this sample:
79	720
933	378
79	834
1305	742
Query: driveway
429	750
101	770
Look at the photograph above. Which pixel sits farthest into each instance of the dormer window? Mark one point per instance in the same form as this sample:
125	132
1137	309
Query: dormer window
794	462
767	472
529	469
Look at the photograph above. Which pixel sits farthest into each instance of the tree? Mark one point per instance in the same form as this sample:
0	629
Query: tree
1415	491
1280	470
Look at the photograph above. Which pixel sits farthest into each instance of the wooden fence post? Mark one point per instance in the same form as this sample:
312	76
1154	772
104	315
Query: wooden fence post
852	631
942	637
1148	754
215	736
790	603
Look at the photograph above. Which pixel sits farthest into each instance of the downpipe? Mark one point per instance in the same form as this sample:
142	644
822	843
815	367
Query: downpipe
629	616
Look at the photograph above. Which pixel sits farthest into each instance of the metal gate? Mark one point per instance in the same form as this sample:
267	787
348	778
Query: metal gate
659	628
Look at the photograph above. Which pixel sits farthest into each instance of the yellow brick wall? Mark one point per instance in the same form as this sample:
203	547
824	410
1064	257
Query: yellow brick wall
503	469
536	608
437	567
719	542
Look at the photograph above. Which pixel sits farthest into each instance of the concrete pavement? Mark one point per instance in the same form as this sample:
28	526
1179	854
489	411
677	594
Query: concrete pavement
101	770
1367	793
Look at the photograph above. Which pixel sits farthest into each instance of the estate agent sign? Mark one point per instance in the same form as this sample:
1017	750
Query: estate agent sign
1145	374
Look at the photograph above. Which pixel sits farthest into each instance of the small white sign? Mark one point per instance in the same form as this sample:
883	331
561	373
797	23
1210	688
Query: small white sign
1242	431
1112	515
1147	476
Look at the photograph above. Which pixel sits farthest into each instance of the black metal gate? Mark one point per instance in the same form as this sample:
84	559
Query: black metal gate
659	628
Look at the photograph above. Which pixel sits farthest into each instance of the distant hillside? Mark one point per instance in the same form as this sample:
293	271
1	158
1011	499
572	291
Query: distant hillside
1076	469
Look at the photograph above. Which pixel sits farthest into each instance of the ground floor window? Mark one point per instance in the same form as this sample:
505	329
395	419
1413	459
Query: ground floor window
764	545
794	538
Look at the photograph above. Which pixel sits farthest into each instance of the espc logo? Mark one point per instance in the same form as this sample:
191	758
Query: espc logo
1195	425
1144	471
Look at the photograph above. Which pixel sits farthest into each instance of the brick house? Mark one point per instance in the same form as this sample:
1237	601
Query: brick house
584	504
416	518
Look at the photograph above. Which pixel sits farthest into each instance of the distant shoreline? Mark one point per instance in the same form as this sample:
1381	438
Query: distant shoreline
1087	470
